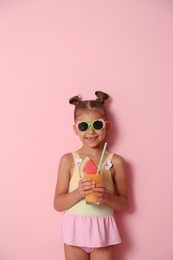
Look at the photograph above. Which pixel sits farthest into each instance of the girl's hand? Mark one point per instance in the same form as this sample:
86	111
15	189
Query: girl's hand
85	187
100	191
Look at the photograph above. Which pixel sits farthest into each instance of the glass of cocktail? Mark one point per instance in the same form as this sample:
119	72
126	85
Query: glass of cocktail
97	179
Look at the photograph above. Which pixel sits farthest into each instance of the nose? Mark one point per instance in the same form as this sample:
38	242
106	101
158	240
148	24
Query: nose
90	129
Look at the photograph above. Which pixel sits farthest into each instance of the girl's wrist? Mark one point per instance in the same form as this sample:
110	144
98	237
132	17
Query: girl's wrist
77	194
108	197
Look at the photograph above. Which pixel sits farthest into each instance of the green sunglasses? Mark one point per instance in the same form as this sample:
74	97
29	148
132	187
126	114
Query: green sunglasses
98	124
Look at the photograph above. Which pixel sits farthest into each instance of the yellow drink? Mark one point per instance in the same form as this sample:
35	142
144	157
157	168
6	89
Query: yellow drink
97	178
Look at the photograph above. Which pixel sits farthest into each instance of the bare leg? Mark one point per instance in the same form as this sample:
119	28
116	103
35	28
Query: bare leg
75	253
103	253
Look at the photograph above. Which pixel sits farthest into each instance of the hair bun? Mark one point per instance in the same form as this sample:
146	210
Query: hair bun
101	96
74	100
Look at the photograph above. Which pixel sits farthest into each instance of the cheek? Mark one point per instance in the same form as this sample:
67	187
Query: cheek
102	133
78	133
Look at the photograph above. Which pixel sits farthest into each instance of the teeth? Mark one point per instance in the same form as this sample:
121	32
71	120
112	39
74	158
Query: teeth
91	138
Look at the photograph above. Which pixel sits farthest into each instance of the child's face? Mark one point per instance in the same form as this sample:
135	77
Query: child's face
91	137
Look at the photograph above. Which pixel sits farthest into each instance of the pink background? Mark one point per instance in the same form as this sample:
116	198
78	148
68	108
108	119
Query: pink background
51	50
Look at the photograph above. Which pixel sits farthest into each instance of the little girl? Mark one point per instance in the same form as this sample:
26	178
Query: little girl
90	231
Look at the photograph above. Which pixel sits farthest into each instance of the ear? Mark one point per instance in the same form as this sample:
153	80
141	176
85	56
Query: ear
75	129
108	126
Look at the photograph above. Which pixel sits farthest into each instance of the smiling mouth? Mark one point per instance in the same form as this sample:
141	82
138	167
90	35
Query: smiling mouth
91	139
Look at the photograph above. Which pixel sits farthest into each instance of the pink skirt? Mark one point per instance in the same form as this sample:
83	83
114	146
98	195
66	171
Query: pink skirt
88	231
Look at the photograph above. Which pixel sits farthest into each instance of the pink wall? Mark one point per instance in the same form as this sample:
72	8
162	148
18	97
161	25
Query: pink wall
51	50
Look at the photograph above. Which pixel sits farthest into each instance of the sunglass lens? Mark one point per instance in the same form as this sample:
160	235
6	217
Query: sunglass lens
98	125
83	126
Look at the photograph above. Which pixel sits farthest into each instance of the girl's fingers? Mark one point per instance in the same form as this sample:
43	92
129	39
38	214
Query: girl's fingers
101	186
100	191
85	186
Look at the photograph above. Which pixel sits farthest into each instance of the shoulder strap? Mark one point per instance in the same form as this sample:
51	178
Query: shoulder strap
75	155
109	158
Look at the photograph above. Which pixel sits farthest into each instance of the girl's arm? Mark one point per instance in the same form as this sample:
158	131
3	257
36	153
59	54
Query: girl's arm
63	199
119	202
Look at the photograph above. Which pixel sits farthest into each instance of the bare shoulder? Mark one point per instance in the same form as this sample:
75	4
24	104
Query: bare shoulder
66	161
66	158
118	165
117	160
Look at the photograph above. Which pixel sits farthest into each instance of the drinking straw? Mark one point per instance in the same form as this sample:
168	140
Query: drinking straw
101	158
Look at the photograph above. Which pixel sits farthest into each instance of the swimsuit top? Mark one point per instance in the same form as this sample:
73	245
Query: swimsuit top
81	208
